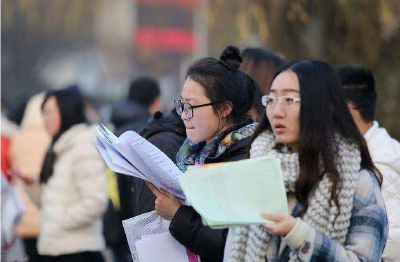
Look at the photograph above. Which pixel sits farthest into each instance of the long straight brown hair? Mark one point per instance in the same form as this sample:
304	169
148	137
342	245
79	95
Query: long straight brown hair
323	112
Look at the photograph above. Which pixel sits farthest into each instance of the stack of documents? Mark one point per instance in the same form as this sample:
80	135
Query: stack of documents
149	240
131	154
236	193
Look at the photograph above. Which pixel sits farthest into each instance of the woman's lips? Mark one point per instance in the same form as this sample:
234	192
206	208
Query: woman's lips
279	129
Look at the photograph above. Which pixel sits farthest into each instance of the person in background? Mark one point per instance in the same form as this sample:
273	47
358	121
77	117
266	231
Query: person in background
27	151
133	114
8	131
73	188
359	88
142	101
12	209
261	65
213	105
336	209
12	247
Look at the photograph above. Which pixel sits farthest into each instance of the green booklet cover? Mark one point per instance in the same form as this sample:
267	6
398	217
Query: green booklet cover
236	193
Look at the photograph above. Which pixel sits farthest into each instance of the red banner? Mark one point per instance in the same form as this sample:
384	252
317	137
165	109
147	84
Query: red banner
166	39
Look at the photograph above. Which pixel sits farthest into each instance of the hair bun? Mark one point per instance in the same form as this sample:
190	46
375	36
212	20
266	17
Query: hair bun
231	58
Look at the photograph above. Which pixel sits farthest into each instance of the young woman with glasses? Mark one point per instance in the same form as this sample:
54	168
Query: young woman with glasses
333	188
213	105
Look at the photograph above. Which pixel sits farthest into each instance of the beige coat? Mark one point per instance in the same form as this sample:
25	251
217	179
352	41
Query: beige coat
28	148
74	198
27	151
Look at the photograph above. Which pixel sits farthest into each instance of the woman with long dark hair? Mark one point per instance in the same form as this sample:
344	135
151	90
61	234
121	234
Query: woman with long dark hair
73	193
333	188
214	103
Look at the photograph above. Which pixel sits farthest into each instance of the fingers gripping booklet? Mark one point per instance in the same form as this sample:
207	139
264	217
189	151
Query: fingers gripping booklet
236	193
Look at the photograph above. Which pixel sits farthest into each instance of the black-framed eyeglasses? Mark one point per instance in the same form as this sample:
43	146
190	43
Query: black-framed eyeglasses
188	108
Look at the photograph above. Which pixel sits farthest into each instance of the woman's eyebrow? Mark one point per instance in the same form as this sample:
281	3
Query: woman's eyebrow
188	99
285	90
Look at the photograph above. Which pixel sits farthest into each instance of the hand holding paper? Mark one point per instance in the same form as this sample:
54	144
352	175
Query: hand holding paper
282	226
236	193
166	203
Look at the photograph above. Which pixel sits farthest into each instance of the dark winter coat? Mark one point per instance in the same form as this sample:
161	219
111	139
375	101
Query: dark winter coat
167	132
128	116
186	226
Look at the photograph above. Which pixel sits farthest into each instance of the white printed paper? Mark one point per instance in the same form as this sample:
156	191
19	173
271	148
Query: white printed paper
131	154
161	247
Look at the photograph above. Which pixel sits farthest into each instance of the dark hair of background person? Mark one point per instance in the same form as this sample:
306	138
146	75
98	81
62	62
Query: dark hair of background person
144	90
323	112
261	65
258	106
359	88
70	103
223	81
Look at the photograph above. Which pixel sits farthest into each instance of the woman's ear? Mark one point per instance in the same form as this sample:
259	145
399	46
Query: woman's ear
226	108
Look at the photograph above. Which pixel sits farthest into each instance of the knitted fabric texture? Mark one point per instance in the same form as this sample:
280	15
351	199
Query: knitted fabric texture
251	243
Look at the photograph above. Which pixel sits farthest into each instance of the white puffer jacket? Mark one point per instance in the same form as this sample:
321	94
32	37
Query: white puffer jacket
74	198
385	153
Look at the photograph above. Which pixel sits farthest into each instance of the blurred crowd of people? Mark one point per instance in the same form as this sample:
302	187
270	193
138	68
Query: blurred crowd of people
341	169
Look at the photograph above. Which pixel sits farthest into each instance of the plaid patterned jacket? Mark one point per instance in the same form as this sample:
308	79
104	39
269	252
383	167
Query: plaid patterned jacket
365	239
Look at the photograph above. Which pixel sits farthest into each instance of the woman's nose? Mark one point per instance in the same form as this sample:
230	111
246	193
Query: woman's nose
184	116
279	110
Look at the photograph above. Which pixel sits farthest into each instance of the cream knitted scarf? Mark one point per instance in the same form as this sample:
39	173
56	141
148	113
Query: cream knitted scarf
251	243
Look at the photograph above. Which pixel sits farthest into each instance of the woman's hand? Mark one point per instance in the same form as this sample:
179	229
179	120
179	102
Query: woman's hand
282	226
166	204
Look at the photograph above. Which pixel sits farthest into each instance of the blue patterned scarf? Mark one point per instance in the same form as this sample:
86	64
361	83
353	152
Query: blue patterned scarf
192	153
